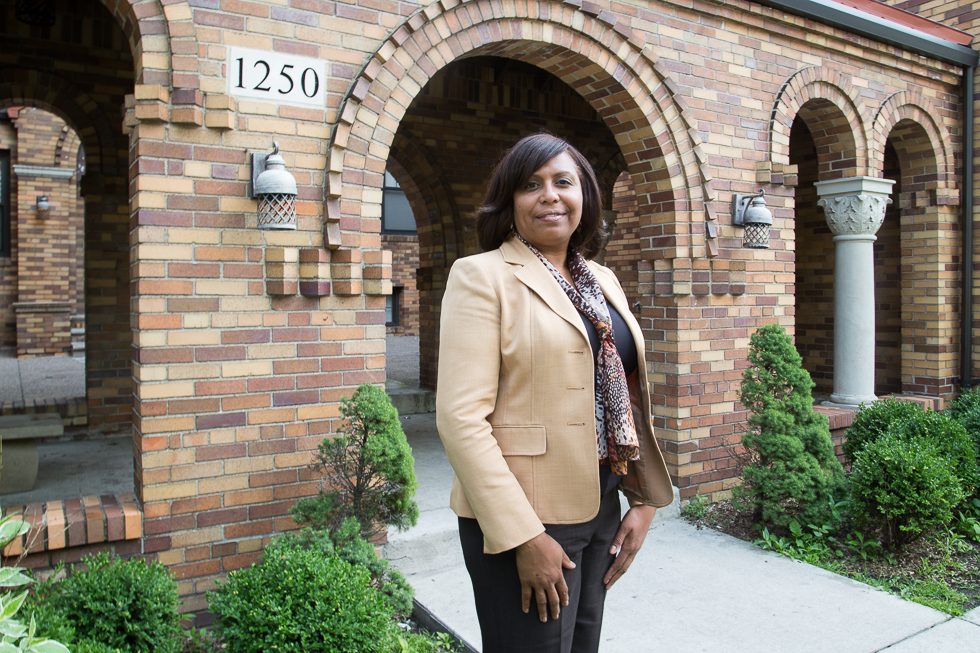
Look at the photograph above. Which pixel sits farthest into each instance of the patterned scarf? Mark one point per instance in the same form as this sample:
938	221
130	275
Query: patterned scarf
615	430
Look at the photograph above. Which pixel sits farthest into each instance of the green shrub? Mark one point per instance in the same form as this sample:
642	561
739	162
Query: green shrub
298	600
966	410
795	472
966	402
368	470
348	545
126	605
873	421
905	487
950	438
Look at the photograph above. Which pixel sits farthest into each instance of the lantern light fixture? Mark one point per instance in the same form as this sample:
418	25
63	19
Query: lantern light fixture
43	207
275	189
750	211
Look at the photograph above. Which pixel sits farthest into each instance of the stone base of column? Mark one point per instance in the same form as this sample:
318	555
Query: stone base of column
43	328
850	401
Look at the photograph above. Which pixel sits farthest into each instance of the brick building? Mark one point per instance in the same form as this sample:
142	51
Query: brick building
226	348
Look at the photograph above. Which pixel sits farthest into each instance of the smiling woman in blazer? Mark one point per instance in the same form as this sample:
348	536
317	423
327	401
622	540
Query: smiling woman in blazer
543	407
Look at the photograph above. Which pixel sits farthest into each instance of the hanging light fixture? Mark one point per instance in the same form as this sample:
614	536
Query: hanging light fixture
275	189
39	13
750	211
43	207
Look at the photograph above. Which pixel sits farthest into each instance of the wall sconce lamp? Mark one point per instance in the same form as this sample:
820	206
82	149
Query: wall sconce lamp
754	216
275	189
43	207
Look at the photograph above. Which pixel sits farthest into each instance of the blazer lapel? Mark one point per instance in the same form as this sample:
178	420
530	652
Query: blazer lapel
536	276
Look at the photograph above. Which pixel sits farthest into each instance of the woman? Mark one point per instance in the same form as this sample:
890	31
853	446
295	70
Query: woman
543	407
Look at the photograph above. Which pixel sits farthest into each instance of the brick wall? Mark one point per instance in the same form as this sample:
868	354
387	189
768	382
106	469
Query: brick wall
404	266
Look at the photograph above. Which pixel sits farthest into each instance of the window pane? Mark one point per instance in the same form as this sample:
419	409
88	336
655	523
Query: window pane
390	181
390	309
397	212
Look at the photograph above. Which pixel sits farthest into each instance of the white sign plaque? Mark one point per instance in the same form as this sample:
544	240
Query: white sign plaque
276	77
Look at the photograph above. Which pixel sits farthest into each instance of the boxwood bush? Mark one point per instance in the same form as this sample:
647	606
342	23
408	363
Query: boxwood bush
129	605
950	438
873	421
298	600
905	486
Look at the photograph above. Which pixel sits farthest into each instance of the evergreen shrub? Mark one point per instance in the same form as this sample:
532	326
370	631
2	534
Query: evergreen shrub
127	605
950	439
873	421
368	470
906	486
966	410
795	472
348	545
297	600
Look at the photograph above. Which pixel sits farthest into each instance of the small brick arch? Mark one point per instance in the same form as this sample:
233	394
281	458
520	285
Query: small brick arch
24	87
139	18
603	59
824	100
924	146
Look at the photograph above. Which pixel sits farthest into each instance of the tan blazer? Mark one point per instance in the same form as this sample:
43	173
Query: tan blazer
515	402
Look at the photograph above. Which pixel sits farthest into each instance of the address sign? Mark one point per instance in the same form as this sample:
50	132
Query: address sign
276	77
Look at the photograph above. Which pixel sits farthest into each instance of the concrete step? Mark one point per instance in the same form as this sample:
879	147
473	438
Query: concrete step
409	400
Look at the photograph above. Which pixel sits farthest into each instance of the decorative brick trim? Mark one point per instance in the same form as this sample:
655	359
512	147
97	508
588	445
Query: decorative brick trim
76	522
824	99
924	145
594	55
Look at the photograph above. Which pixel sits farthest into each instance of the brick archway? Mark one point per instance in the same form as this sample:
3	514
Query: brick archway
24	87
924	146
925	215
600	58
823	99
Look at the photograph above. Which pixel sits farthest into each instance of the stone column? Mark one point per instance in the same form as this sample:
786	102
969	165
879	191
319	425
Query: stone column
855	208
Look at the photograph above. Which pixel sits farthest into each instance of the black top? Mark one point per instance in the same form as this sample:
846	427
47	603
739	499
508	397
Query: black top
626	348
621	335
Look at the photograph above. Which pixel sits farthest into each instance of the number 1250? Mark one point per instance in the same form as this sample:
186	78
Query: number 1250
309	81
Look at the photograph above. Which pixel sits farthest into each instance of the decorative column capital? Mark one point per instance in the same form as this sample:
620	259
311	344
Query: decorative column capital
854	205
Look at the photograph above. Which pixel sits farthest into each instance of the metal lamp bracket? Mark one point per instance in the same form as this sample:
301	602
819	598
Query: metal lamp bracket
740	202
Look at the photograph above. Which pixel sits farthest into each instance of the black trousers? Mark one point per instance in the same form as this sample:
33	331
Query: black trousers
497	587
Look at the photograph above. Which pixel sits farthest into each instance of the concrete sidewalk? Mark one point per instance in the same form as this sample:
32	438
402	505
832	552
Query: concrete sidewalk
46	377
687	591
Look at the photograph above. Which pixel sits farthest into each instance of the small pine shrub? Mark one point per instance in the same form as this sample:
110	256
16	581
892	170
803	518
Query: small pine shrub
873	421
795	472
368	470
297	600
904	486
127	605
951	440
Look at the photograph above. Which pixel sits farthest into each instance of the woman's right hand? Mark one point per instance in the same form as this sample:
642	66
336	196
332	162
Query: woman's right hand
539	564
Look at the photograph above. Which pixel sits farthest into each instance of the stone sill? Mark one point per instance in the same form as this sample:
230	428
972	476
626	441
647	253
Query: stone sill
76	522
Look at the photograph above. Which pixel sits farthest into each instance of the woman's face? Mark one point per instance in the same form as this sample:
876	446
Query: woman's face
548	208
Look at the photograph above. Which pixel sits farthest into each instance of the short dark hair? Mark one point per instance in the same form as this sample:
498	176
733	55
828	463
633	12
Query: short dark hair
495	217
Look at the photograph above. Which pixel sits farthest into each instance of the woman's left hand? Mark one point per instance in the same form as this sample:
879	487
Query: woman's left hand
632	532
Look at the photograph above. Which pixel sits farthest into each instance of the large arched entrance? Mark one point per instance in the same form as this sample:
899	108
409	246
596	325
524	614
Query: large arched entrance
617	78
80	69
